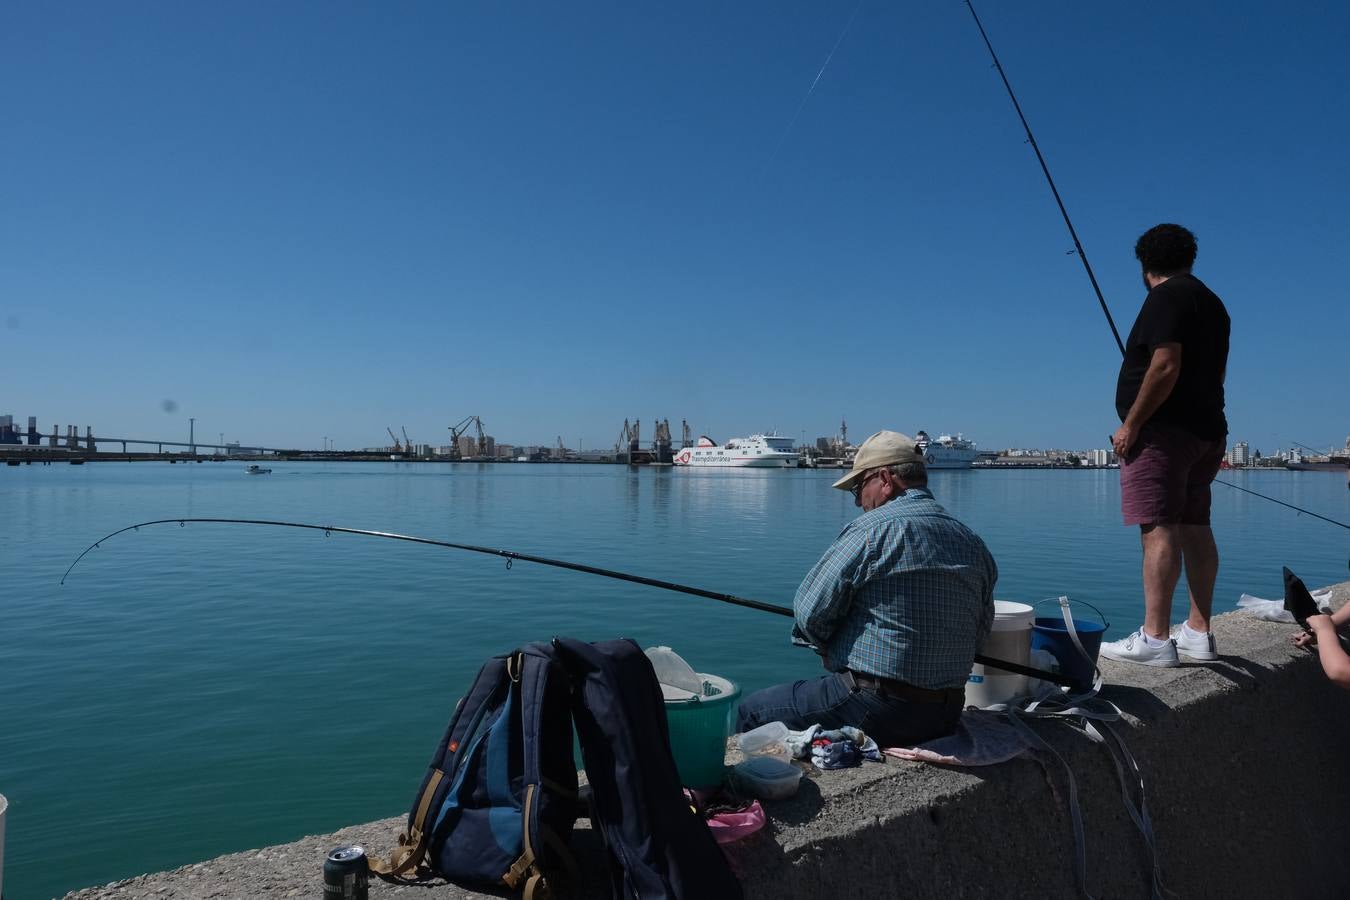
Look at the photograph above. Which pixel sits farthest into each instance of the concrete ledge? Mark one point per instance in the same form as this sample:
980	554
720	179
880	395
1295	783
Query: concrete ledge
1246	761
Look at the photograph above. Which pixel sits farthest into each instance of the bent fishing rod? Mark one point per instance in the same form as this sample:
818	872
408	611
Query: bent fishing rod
1078	246
510	556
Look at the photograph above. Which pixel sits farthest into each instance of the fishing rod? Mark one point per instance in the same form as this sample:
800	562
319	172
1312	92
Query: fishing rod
511	556
1082	254
1031	139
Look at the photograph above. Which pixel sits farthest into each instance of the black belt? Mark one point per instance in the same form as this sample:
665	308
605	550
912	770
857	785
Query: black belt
889	687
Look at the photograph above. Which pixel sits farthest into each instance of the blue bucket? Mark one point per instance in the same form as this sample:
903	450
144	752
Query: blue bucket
1051	634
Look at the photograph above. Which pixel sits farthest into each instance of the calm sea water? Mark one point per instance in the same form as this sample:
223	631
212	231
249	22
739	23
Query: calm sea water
195	691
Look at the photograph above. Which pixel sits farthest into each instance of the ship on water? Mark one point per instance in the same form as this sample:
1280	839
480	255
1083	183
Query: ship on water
1333	461
946	452
762	451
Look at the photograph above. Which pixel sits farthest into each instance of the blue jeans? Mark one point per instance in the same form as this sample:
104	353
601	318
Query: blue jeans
828	701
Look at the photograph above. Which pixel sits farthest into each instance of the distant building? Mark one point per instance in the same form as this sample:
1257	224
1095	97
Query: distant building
491	445
1098	457
1239	455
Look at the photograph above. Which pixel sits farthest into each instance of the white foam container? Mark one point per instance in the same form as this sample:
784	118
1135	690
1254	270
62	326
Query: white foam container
1009	639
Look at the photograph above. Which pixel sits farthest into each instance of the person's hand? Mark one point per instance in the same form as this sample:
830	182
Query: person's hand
1124	439
1305	640
1322	626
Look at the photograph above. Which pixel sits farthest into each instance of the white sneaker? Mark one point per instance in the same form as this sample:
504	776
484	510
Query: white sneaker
1196	646
1134	649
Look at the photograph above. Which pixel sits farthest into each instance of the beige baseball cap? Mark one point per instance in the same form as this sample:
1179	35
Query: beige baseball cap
885	448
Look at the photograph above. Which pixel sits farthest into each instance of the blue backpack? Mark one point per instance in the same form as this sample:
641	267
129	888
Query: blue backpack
499	800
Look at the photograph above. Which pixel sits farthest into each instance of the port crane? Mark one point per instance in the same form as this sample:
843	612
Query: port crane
460	428
407	444
398	448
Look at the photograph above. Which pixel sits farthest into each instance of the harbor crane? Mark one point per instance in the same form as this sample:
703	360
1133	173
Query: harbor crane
407	444
398	448
460	428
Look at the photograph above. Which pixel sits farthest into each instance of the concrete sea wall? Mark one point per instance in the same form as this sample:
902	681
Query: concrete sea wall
1246	762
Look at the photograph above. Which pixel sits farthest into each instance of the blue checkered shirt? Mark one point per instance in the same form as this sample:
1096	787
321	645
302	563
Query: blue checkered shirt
905	592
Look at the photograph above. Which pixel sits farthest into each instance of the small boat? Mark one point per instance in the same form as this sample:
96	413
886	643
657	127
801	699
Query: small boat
257	470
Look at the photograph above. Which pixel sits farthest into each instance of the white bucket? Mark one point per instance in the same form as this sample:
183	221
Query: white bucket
1010	639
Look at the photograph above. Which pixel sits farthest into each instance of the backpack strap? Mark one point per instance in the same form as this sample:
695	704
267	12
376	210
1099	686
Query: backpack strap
412	844
526	869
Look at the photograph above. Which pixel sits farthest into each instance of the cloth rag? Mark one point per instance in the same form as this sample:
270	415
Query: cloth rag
835	754
981	739
799	743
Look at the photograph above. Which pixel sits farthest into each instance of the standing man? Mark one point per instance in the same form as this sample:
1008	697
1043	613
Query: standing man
1171	441
897	608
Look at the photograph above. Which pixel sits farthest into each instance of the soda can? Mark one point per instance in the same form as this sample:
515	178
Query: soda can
346	874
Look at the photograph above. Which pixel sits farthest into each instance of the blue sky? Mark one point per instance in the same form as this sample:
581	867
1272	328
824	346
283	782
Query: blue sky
304	220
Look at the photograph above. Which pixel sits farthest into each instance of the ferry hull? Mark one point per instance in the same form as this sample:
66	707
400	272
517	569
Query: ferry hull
727	462
1318	466
942	458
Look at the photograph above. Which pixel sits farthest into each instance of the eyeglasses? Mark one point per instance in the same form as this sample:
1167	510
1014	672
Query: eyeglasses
862	482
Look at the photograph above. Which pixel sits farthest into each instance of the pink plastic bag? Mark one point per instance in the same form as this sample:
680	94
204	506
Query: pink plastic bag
732	826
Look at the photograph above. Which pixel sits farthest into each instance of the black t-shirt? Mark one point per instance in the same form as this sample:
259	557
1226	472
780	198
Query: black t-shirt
1182	311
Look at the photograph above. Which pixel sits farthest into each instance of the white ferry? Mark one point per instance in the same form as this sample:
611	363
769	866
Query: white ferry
758	450
946	452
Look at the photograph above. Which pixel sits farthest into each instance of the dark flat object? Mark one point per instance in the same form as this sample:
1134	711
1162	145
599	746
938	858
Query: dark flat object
1297	599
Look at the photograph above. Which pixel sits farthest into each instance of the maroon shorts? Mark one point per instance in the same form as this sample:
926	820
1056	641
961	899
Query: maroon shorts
1166	479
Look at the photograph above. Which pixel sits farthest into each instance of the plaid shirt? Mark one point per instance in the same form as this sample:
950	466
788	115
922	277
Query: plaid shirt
905	592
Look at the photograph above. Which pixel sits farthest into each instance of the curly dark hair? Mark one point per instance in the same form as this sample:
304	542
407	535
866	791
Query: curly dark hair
1166	249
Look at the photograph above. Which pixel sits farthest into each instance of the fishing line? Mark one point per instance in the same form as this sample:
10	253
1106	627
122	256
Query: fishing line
811	90
1082	254
1282	503
511	555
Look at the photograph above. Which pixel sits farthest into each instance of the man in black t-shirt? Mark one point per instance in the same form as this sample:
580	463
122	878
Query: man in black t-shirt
1169	397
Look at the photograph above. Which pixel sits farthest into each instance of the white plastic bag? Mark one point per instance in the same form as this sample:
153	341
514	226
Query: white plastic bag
1274	611
1269	610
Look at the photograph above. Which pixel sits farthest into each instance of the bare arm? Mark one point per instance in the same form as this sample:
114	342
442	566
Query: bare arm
1161	377
1341	616
1334	660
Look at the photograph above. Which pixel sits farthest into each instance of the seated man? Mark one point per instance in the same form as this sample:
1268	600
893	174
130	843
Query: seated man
897	608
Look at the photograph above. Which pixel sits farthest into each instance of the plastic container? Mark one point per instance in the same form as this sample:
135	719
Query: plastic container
1051	634
1010	640
766	778
678	679
769	739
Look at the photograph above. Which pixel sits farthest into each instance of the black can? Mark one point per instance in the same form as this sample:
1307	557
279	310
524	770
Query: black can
346	874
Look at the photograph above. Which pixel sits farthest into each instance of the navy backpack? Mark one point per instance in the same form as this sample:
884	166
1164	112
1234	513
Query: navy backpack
498	802
659	848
